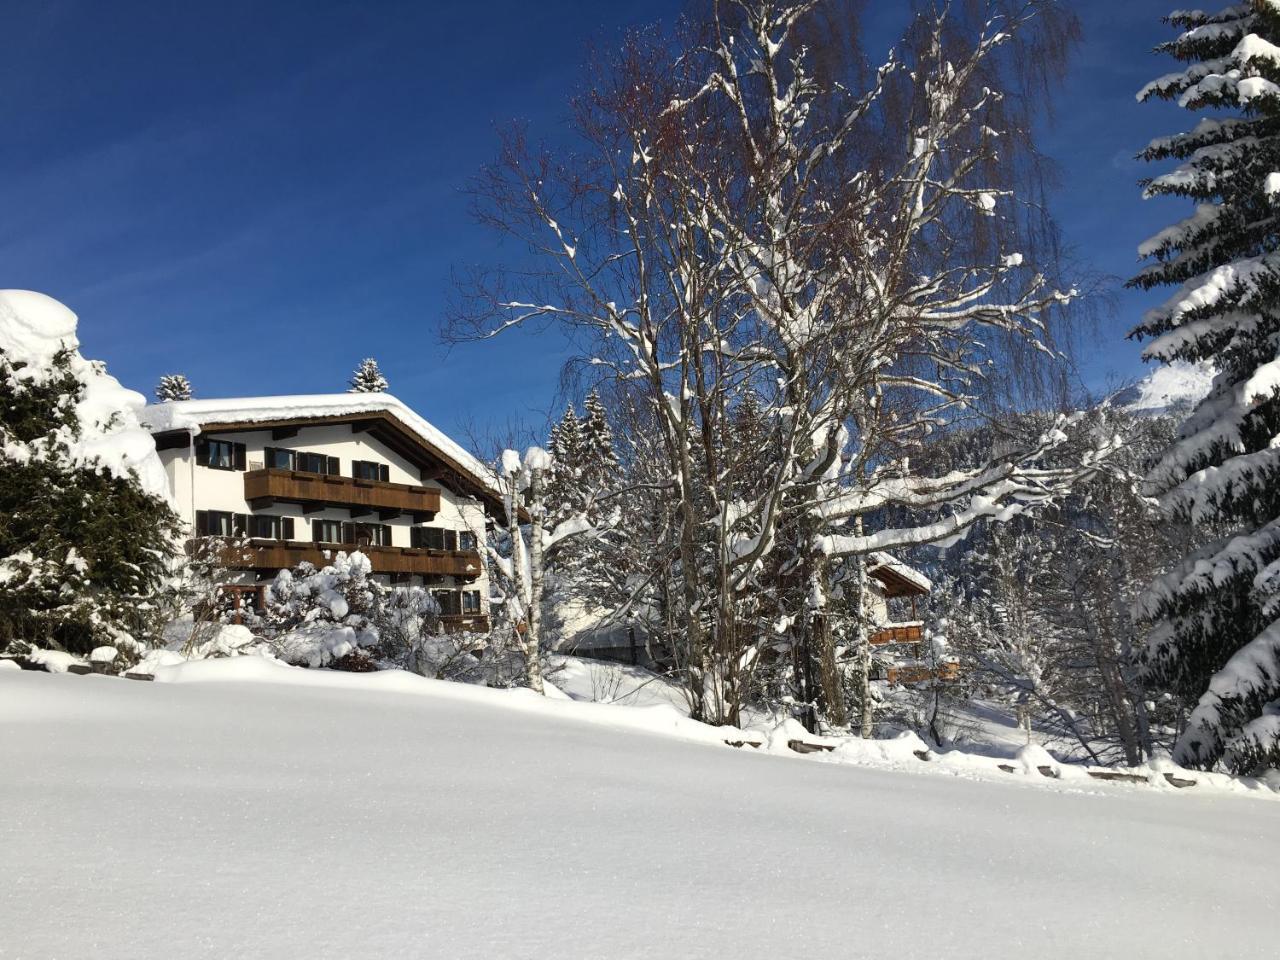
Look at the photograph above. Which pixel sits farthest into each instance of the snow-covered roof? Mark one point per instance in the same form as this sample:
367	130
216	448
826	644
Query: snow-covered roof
881	563
195	414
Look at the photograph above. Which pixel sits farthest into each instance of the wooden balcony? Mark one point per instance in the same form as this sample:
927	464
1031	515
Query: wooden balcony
468	622
315	491
285	554
898	633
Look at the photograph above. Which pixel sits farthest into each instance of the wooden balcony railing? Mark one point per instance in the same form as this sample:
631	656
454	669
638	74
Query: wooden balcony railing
468	622
285	554
265	486
898	633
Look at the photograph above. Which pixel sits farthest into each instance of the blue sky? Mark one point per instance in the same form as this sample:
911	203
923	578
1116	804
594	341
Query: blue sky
259	194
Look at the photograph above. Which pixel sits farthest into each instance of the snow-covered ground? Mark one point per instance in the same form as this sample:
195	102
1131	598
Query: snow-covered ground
338	815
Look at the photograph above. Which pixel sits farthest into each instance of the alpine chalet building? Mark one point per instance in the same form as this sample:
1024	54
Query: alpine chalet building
301	478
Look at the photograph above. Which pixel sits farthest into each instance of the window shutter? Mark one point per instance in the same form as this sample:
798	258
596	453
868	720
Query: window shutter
451	540
334	467
239	525
386	534
238	452
202	452
348	533
202	522
287	524
384	473
268	457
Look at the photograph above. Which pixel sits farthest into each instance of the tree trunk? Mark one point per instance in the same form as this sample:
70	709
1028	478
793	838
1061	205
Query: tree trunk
533	616
832	688
862	640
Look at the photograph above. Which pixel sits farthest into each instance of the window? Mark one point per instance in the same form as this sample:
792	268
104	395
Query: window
352	534
213	523
220	454
470	601
316	463
278	459
433	538
368	534
369	470
269	528
326	531
466	540
449	601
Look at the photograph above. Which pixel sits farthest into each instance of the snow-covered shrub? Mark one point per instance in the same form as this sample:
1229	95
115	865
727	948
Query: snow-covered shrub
215	640
193	597
80	564
412	638
321	615
406	618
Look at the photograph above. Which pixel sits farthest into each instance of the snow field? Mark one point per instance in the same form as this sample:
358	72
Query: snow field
384	815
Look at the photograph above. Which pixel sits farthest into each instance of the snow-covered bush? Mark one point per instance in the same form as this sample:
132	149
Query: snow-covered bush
193	597
318	616
80	564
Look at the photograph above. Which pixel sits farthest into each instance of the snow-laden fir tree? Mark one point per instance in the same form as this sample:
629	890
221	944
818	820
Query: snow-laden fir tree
582	478
368	378
1215	637
565	444
86	531
173	386
600	460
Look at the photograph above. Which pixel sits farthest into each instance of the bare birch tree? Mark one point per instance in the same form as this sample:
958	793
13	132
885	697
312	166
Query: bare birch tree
747	218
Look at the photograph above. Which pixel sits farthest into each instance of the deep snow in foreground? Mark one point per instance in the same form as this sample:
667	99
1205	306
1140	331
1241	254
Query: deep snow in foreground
386	816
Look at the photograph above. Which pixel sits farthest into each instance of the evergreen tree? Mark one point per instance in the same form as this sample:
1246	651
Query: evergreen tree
173	386
84	541
584	472
368	378
1215	638
600	460
564	488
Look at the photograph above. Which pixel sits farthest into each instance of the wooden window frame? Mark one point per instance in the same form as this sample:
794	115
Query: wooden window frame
290	456
318	525
450	602
205	525
445	540
381	471
332	465
236	454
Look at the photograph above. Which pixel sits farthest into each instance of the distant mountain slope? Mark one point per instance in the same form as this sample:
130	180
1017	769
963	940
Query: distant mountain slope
1169	388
